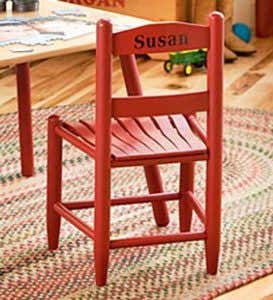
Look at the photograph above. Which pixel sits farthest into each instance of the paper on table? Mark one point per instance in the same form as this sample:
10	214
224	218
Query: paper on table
41	30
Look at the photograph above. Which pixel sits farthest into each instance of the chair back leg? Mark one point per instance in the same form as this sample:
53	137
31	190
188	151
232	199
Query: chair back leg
152	173
213	216
186	184
154	183
102	221
54	183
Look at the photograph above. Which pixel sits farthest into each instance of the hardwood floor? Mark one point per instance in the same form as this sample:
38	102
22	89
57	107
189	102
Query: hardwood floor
70	80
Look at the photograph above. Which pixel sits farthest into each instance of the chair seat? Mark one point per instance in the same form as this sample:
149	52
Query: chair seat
145	138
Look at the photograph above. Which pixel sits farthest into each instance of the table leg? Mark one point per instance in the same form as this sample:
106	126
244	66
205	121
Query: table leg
25	122
264	22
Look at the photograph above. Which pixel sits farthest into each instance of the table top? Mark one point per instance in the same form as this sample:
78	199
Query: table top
61	47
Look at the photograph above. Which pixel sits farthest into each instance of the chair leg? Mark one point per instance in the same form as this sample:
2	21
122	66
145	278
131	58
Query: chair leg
186	184
213	216
154	182
54	183
102	222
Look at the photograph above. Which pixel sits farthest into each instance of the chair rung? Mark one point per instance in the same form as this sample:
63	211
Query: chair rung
159	239
125	200
197	207
64	212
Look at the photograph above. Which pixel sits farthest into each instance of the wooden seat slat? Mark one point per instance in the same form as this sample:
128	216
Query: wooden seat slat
185	131
151	130
165	125
122	134
135	130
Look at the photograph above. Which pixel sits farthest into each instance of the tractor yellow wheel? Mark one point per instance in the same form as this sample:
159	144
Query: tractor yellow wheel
168	66
188	70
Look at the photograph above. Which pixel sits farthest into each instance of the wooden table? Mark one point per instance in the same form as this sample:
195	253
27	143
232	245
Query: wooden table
21	61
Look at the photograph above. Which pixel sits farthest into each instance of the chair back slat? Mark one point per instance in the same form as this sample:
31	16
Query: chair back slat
140	106
161	37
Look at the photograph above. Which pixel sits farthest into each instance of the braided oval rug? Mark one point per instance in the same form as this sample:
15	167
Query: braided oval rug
171	271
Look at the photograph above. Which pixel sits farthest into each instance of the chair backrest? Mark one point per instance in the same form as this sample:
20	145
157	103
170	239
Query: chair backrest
154	38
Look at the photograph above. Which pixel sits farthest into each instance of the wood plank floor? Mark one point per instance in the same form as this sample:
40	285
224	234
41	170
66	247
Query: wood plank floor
70	80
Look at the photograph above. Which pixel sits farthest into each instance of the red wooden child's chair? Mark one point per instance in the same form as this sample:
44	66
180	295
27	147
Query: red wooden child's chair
145	131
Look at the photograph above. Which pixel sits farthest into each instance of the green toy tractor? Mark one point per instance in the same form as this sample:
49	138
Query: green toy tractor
188	59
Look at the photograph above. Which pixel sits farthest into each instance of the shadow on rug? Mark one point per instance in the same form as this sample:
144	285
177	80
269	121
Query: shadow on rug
171	271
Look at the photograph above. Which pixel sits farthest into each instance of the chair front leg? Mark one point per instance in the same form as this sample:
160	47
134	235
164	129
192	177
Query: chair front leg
186	184
54	183
154	183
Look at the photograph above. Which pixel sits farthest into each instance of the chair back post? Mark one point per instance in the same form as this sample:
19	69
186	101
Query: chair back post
214	140
103	90
103	145
215	87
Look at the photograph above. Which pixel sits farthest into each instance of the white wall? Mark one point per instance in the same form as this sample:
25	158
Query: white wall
244	11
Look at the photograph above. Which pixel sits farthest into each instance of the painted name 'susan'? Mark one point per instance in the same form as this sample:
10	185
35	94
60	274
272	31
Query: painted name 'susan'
161	41
104	3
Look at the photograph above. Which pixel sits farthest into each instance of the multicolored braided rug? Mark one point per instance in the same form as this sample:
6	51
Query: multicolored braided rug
171	271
